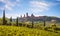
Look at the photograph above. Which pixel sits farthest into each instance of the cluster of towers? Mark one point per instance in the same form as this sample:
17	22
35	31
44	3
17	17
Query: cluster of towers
27	15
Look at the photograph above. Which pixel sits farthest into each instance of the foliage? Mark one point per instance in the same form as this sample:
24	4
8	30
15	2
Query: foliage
4	20
17	21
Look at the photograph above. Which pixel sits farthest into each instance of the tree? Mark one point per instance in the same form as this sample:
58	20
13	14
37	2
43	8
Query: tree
10	20
44	20
32	20
4	21
32	24
17	21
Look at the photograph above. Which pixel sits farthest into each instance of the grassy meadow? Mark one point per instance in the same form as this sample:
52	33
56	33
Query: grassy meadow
24	31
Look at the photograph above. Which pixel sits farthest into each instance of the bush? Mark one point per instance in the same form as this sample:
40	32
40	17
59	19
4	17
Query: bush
29	26
20	24
46	28
13	24
53	26
58	29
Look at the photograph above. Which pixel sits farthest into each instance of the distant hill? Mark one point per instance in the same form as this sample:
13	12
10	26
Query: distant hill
40	18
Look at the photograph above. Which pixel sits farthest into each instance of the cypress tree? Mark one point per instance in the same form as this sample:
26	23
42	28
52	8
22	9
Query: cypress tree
17	21
4	21
32	24
32	20
10	20
44	20
44	23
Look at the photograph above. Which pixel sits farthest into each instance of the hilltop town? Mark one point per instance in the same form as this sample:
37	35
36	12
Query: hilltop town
26	17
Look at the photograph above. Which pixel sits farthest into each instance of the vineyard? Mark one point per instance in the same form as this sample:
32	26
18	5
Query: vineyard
24	31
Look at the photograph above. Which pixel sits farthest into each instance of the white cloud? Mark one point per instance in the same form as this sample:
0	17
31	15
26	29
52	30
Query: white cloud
13	15
8	5
37	6
57	0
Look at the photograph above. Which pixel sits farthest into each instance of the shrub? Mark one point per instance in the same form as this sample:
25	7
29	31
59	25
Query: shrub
58	29
29	26
46	28
53	26
13	24
20	24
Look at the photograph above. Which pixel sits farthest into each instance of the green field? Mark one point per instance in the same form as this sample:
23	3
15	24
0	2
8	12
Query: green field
24	31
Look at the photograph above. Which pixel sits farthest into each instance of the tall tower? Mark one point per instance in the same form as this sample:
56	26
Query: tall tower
32	15
26	14
21	16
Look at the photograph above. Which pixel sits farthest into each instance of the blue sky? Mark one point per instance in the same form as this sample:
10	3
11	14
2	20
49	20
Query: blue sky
16	8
